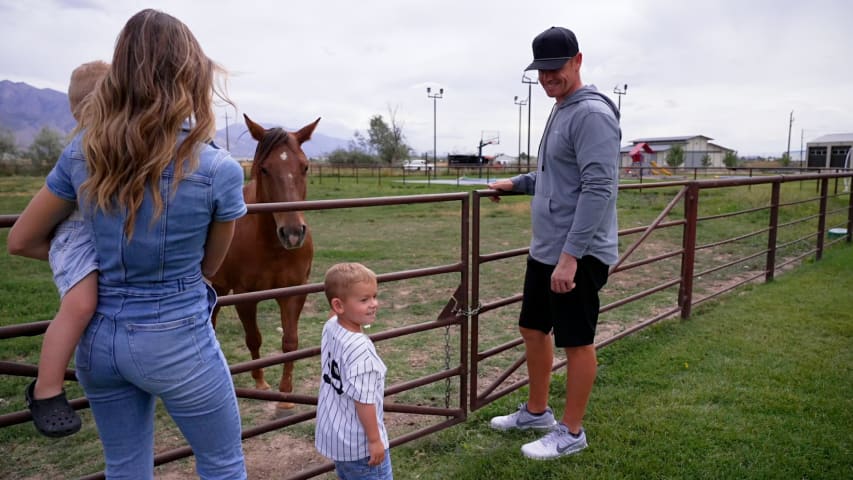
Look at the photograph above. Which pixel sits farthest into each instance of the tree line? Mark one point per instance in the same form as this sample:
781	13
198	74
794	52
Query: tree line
383	143
38	158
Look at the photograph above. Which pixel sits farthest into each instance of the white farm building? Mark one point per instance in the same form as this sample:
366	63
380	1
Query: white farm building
695	148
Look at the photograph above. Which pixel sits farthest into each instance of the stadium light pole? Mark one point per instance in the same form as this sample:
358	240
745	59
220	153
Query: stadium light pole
520	104
434	97
620	92
530	82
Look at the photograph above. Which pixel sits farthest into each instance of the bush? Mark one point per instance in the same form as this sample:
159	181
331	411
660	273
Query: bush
343	157
730	160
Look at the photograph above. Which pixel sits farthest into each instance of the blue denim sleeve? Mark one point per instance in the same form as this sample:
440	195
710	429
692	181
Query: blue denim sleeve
59	181
228	203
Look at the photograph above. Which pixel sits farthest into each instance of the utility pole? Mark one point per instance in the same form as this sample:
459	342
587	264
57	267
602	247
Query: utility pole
790	124
227	137
802	134
620	92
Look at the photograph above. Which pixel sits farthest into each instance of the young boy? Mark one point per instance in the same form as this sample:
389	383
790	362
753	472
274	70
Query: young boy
75	271
350	430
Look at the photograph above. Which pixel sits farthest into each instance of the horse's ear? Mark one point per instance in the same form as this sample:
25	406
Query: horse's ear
256	130
304	133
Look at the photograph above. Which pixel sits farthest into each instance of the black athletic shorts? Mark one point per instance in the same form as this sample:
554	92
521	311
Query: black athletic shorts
572	316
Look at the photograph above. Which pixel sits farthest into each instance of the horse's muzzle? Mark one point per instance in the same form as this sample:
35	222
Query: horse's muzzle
292	238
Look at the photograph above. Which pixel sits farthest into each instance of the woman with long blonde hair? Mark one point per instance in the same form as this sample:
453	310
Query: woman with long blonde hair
162	203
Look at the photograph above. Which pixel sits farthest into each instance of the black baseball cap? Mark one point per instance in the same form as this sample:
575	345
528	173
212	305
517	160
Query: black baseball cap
553	48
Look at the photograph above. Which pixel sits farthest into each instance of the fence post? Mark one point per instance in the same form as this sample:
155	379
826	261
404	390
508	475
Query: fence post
850	211
821	219
465	301
688	256
769	269
474	299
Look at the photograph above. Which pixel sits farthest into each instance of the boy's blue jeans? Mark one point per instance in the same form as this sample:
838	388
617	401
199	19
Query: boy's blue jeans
128	359
360	470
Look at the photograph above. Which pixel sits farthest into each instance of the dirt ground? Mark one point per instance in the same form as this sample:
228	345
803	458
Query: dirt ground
273	455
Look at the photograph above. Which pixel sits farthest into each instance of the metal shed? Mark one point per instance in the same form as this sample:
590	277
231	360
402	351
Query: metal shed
830	151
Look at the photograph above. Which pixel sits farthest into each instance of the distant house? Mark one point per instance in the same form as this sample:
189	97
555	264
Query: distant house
830	151
695	148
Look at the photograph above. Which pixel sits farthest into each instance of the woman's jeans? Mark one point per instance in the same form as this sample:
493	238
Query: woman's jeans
140	346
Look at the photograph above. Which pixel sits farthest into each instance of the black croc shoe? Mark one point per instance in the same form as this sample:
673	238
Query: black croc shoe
53	417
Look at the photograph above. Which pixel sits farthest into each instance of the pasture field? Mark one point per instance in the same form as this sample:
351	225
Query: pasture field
757	386
390	239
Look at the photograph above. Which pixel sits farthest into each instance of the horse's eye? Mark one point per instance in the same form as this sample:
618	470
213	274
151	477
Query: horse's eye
264	171
305	170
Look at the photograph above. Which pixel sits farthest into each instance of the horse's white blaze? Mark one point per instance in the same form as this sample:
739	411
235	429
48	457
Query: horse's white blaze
283	156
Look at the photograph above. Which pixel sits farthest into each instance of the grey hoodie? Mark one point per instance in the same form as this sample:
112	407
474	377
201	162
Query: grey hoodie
575	185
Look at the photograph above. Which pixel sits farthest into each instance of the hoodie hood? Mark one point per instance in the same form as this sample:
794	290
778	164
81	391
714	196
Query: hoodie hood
590	92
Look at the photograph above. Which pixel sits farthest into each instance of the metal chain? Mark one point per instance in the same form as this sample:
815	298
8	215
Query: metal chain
447	366
467	314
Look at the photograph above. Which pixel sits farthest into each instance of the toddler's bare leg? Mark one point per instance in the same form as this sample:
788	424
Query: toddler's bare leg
76	310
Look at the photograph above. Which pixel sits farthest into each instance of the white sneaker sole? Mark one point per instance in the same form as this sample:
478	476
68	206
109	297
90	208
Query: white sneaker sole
523	427
535	456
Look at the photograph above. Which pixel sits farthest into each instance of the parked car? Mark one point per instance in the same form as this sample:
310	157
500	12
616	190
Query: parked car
417	165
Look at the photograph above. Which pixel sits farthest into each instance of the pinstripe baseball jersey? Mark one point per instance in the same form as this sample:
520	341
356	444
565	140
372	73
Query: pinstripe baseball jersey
352	371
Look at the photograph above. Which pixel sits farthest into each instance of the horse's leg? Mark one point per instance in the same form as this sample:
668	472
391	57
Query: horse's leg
248	313
219	292
291	308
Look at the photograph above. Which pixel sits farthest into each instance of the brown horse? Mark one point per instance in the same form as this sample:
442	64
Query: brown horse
271	250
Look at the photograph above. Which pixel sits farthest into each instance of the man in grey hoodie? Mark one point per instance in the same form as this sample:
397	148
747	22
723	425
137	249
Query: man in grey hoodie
575	239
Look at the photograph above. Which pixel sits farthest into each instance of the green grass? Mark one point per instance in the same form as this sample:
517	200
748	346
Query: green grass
388	239
758	386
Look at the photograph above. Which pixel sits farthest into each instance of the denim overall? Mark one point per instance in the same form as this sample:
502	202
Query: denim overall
151	335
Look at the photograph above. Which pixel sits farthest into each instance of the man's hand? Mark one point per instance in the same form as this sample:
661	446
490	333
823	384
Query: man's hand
563	278
505	185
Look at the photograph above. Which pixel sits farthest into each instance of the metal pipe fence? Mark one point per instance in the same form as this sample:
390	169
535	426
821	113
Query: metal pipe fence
466	313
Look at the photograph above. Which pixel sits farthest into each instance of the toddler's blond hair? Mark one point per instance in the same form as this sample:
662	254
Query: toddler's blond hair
342	276
84	79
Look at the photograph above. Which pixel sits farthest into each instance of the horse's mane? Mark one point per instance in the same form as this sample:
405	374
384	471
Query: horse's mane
273	137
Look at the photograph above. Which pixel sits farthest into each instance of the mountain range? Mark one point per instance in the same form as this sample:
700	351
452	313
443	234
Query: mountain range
25	110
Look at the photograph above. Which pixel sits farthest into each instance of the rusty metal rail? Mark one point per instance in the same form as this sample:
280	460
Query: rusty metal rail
689	194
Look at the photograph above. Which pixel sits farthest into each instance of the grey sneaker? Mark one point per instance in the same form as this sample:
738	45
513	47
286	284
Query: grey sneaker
557	443
522	419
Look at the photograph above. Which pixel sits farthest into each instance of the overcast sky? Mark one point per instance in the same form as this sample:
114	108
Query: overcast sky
732	70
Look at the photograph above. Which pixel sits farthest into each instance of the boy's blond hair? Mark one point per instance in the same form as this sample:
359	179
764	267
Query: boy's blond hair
342	276
84	79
